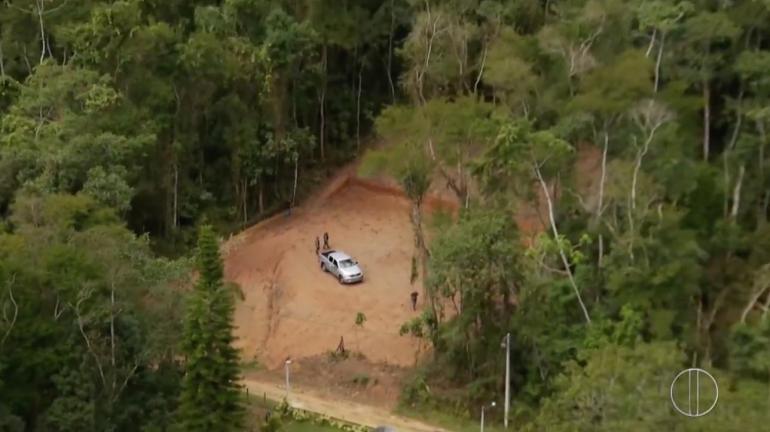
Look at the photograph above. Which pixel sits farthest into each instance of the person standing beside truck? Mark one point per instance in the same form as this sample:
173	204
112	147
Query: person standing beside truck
326	240
317	245
414	300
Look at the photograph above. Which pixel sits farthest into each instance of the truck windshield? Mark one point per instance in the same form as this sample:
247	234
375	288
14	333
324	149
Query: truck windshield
346	263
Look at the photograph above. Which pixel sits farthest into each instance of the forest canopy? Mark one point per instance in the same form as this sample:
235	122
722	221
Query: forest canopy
636	131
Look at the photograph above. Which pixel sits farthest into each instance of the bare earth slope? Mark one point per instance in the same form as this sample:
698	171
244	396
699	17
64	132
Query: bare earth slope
292	309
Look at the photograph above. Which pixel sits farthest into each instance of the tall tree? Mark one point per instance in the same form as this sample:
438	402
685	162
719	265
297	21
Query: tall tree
522	154
211	396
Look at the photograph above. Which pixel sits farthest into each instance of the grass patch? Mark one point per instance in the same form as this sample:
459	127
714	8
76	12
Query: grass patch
252	365
337	356
452	422
306	427
258	407
363	380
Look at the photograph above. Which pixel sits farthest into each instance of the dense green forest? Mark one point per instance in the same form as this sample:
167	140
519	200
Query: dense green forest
126	125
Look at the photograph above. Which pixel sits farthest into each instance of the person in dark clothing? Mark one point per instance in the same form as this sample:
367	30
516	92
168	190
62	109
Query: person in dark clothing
414	300
326	240
317	245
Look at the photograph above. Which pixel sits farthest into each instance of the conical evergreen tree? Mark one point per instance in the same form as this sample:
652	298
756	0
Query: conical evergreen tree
211	397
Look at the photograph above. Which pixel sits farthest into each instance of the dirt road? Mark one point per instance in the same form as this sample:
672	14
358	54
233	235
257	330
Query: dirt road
348	411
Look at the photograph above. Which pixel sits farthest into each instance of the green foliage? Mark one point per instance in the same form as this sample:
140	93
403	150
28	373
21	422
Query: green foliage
211	396
476	269
604	391
405	160
73	409
441	135
663	244
360	319
509	69
609	91
159	115
61	136
749	350
286	418
625	332
286	39
518	155
110	189
663	15
165	97
94	308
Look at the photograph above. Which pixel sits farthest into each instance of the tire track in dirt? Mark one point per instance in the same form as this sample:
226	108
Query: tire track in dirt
272	289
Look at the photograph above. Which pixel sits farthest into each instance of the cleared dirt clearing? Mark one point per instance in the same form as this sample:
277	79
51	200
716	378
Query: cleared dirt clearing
292	309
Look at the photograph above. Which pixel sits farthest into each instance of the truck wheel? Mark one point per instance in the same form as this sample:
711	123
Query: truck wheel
339	278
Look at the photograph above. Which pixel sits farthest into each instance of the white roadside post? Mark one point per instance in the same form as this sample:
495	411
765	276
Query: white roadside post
286	368
507	402
483	408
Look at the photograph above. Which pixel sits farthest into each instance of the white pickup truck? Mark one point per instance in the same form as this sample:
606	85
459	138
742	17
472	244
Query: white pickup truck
341	265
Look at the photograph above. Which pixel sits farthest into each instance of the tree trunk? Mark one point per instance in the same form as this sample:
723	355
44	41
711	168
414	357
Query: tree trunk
762	210
652	43
737	194
12	321
245	200
278	103
112	333
169	190
2	62
322	133
358	108
26	60
390	52
89	346
419	243
260	196
175	210
603	176
294	102
706	119
698	326
762	143
731	146
658	61
600	205
296	177
638	165
752	302
421	73
40	5
481	70
561	250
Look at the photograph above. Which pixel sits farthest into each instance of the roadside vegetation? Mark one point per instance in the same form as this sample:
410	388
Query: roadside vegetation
271	416
636	133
